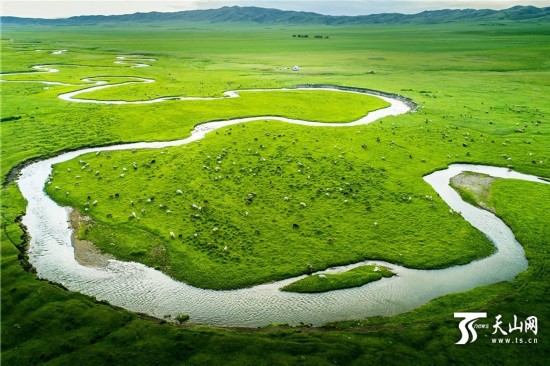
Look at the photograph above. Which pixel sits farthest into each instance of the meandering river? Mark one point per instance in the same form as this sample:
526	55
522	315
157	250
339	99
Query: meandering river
142	289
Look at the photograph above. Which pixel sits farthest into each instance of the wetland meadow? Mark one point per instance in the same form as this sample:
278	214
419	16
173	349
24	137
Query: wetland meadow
262	174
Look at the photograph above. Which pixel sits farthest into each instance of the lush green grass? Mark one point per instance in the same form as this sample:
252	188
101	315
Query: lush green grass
359	205
43	324
483	96
355	277
460	66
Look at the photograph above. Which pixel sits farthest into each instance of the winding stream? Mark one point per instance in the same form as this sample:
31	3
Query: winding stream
142	289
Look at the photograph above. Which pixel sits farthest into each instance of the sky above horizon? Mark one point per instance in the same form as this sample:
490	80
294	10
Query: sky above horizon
68	8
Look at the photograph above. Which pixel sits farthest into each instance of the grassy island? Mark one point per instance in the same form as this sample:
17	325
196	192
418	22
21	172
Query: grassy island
334	281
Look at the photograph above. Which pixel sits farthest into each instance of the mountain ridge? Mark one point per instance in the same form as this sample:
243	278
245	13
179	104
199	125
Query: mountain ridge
266	16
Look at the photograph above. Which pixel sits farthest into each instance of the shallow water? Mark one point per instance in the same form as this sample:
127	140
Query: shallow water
142	289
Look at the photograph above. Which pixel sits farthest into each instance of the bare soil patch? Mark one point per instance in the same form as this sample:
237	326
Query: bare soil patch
477	185
85	252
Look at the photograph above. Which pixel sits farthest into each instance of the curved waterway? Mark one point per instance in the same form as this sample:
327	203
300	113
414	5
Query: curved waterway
139	288
142	289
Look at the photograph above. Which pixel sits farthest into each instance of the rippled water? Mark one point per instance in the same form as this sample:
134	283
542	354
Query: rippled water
142	289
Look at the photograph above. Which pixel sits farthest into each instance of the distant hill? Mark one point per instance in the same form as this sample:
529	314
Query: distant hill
263	16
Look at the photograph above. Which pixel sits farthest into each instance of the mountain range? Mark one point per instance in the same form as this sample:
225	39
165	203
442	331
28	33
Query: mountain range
263	16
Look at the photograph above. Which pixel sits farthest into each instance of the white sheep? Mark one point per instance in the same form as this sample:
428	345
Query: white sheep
303	204
172	235
179	191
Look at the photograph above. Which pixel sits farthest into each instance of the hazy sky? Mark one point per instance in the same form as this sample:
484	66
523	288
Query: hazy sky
67	8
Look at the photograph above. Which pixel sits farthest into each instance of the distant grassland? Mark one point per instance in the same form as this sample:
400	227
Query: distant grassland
321	106
483	93
453	71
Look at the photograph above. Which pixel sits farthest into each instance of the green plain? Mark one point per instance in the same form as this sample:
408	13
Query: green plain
483	93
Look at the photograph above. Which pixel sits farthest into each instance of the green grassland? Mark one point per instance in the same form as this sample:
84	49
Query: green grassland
483	94
250	181
334	281
44	324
